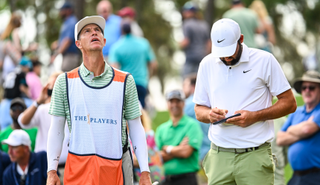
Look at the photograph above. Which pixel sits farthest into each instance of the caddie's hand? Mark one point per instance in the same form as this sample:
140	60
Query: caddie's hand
216	114
145	179
246	118
53	178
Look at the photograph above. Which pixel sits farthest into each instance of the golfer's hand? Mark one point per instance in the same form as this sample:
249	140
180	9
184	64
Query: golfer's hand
216	114
53	178
246	118
145	179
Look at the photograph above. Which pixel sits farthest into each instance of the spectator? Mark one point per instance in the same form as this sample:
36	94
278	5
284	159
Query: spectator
15	86
37	115
189	85
247	20
196	43
267	35
134	55
112	30
4	163
66	43
154	156
235	79
128	14
11	46
26	167
301	132
179	140
33	80
16	108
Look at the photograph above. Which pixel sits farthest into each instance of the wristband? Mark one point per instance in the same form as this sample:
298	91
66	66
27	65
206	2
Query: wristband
35	103
169	148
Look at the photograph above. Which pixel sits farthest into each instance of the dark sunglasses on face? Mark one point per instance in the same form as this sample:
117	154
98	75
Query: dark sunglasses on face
15	108
311	88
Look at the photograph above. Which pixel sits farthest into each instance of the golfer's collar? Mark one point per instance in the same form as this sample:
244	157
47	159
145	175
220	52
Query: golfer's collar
244	56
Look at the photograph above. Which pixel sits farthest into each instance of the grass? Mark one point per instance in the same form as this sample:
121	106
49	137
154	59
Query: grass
163	116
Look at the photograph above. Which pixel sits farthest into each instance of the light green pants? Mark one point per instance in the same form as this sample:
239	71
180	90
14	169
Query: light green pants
251	168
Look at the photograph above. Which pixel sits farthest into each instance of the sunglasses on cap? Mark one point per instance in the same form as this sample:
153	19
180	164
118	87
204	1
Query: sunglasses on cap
311	88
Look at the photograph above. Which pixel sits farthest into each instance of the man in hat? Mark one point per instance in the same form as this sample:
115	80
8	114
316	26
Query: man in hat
235	79
16	108
26	167
97	101
301	132
179	140
65	45
128	14
196	42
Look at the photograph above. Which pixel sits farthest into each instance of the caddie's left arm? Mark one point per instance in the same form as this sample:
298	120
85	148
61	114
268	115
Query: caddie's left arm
286	104
139	144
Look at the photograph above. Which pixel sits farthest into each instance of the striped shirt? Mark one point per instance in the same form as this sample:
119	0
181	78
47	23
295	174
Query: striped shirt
59	100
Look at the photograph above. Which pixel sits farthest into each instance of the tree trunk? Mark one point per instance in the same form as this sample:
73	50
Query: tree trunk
208	15
12	5
78	7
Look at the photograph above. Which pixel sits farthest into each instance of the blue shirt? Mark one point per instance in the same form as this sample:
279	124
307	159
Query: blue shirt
112	32
67	31
133	55
37	171
304	154
4	162
189	111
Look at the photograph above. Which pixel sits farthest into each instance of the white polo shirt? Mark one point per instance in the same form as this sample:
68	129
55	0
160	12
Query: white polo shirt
248	85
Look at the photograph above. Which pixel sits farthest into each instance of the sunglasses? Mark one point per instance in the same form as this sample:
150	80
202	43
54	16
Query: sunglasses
15	108
311	88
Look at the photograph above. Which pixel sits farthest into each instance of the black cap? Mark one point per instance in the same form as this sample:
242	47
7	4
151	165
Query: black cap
175	94
18	101
234	2
126	28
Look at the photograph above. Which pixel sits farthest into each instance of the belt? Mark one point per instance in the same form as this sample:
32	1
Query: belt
237	150
305	172
180	176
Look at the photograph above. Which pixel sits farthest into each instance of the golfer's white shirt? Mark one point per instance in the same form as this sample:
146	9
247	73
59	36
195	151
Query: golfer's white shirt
248	85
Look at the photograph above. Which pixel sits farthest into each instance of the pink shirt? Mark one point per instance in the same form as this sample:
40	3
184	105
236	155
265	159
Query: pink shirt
34	84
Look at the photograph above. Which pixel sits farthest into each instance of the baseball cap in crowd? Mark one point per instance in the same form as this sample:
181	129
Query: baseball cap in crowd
191	6
94	19
18	101
26	62
309	76
225	34
18	137
175	94
127	11
234	2
66	5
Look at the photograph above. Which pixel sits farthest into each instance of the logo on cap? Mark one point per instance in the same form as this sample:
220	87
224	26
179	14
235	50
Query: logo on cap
220	40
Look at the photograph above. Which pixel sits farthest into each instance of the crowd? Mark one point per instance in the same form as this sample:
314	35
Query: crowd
89	122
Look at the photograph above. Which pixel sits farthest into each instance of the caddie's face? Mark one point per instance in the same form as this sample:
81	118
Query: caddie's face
310	92
91	38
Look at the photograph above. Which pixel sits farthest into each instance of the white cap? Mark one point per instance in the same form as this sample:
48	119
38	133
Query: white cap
18	137
95	19
225	34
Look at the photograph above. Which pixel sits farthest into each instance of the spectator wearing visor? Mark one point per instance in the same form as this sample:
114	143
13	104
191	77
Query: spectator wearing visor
179	140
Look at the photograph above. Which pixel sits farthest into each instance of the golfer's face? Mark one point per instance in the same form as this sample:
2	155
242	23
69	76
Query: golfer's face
229	59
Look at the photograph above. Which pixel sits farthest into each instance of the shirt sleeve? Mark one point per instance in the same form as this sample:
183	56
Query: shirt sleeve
287	124
274	77
57	106
316	117
187	31
195	135
131	103
158	138
150	55
70	30
201	93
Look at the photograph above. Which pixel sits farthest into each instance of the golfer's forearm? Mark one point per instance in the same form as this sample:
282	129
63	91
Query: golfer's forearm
139	143
55	140
202	113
